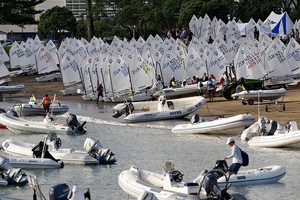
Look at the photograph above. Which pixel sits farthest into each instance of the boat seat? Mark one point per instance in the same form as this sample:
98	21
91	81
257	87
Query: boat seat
292	126
170	105
274	126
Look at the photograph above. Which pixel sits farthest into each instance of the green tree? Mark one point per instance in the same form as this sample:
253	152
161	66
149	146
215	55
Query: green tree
57	20
18	12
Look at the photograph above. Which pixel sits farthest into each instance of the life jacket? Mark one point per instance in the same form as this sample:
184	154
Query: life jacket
46	101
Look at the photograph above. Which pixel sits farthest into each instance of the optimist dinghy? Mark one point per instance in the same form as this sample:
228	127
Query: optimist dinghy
230	125
22	126
259	95
161	110
169	185
261	175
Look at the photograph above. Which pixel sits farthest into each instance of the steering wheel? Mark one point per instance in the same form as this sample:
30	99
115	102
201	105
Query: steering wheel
215	171
177	176
58	142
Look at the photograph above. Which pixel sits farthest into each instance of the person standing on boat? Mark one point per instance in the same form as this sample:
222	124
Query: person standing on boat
46	102
172	82
236	156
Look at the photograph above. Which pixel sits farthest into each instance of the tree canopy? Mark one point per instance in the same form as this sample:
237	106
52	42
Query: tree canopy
57	20
18	12
141	17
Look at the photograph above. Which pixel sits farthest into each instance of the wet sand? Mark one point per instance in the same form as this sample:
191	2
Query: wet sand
219	107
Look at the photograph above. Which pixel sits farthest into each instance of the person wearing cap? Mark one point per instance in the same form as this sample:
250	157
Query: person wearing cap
236	156
172	82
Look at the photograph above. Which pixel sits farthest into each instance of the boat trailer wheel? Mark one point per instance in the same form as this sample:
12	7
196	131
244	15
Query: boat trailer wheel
177	176
58	142
250	101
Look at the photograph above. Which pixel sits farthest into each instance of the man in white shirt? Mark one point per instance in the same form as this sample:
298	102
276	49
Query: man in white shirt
236	156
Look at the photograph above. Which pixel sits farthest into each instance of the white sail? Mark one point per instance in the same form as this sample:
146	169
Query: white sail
30	56
207	29
218	63
69	69
3	55
86	77
150	62
171	66
248	64
141	74
276	63
193	26
17	56
120	75
53	50
233	46
194	65
292	54
3	70
46	61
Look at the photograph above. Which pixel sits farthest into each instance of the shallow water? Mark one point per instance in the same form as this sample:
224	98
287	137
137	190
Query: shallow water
148	146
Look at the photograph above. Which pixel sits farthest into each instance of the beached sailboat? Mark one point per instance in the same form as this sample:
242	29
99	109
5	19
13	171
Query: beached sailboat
46	62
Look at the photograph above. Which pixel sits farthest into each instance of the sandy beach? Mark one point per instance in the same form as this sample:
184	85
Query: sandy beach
220	106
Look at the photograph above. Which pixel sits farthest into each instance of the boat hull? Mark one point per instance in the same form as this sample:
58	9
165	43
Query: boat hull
68	156
22	126
182	91
48	77
28	109
182	107
34	163
230	125
260	95
137	182
274	141
263	175
11	89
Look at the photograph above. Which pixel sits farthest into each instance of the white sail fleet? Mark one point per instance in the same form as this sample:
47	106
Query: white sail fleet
129	67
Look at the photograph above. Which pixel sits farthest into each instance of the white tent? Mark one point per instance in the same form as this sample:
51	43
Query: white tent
280	24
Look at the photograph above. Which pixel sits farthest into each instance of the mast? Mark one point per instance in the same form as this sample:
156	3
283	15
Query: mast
82	80
112	88
101	71
91	80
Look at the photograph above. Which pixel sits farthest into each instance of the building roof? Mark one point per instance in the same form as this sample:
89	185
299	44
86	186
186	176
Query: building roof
32	28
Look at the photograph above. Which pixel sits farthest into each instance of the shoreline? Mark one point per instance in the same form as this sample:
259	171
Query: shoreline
219	107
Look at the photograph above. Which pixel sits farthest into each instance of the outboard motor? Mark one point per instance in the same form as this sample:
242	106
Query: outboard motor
221	165
73	123
127	109
195	119
63	192
94	148
13	176
2	110
76	194
12	113
59	192
210	184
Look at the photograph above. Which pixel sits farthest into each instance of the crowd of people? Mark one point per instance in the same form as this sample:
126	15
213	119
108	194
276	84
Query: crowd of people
185	35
